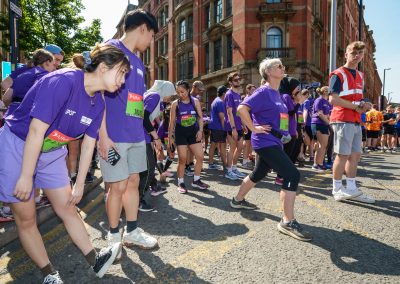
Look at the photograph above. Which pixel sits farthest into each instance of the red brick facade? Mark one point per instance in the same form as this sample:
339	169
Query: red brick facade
238	34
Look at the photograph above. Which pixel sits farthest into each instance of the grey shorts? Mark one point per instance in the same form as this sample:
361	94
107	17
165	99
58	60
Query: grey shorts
133	161
347	138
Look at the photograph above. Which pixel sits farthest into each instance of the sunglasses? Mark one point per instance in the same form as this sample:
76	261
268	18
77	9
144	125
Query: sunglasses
280	66
237	80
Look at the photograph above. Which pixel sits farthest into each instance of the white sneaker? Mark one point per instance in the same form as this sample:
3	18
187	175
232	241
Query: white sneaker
53	278
231	176
364	199
238	173
113	239
139	238
343	194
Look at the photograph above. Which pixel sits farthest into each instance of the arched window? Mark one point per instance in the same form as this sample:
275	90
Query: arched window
274	38
182	30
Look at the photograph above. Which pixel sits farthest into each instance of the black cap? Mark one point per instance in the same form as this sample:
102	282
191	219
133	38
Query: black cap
221	90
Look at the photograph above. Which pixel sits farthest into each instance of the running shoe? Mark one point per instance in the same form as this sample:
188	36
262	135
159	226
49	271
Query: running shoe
231	176
182	188
278	181
238	173
157	190
243	204
168	174
343	193
53	278
328	165
364	199
105	258
115	239
144	207
200	185
139	238
213	166
318	168
294	229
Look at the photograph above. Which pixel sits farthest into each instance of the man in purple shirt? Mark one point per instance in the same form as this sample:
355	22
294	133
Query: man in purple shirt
233	125
123	132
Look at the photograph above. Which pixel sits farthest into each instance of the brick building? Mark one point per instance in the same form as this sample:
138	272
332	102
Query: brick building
207	39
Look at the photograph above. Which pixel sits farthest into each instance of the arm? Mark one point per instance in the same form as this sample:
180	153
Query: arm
172	121
221	117
323	117
244	112
33	145
200	121
105	143
85	159
150	129
7	97
6	83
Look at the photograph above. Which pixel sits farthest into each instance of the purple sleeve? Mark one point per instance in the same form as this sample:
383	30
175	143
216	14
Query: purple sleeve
230	101
288	102
51	95
306	105
220	107
319	106
93	129
253	101
14	74
151	102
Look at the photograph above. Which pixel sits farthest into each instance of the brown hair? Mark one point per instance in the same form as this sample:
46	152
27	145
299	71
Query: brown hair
355	45
321	90
102	53
249	87
41	56
232	75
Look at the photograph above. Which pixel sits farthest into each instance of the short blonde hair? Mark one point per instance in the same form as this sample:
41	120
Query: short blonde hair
267	64
355	45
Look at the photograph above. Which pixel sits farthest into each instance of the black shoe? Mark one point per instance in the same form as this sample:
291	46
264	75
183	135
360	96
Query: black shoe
144	207
242	204
157	190
294	230
89	178
105	258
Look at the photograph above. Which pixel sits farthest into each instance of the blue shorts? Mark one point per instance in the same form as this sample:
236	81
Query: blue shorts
322	128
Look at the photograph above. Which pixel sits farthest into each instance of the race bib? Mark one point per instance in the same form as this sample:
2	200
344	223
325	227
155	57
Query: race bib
188	120
166	141
56	140
135	106
300	119
284	122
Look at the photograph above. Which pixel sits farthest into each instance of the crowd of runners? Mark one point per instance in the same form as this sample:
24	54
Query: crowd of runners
55	117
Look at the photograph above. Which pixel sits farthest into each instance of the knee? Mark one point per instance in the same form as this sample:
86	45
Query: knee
25	221
117	189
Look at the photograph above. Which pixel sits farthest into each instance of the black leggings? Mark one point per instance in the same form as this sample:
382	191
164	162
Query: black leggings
329	148
275	158
148	178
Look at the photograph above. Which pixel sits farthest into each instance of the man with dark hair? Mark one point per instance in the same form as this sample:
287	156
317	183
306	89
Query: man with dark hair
345	94
217	128
123	132
233	125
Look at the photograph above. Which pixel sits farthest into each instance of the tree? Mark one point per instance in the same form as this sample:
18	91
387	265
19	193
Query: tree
53	21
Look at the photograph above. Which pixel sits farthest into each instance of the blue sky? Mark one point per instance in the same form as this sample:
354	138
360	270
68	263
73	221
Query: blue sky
380	15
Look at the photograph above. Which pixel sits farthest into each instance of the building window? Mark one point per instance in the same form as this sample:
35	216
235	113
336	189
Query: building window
163	45
228	8
208	16
190	66
273	1
182	30
181	67
163	72
190	27
207	58
185	66
229	53
162	17
274	38
217	55
217	11
146	56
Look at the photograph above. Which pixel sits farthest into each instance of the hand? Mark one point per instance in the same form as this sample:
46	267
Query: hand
158	144
262	129
171	143
234	134
23	188
245	130
286	139
76	195
199	136
104	146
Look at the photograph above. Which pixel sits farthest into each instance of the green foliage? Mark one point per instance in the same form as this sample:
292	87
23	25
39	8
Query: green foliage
53	21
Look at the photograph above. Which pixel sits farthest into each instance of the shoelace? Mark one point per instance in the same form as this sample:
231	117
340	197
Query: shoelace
295	225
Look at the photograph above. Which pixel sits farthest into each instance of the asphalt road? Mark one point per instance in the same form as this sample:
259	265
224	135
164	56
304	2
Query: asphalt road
203	240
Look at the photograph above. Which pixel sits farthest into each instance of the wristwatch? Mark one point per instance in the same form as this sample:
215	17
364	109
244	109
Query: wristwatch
233	127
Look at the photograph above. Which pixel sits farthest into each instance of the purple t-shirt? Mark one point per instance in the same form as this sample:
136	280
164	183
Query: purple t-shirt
307	105
232	100
288	101
22	84
60	100
151	101
186	115
162	130
14	74
125	107
323	105
217	107
267	108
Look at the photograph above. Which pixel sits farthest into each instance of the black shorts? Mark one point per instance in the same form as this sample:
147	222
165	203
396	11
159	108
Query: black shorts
247	137
398	132
322	128
240	134
185	135
372	134
218	136
309	133
388	130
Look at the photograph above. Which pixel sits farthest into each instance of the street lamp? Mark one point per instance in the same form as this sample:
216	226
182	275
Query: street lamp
383	89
